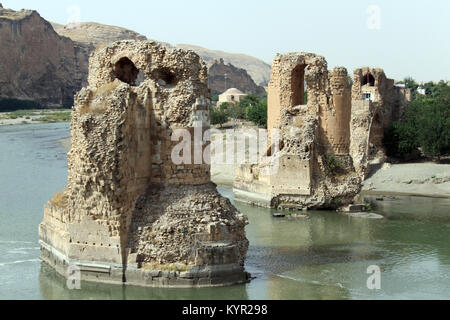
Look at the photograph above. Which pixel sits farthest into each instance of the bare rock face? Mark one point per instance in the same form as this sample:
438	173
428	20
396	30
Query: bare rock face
257	69
36	63
128	209
223	76
320	148
95	34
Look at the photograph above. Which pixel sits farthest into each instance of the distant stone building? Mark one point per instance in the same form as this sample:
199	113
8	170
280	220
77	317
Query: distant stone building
231	95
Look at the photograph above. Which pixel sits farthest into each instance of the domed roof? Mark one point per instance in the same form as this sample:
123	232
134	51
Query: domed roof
233	91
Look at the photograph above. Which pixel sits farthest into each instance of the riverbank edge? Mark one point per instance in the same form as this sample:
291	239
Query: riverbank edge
403	194
254	199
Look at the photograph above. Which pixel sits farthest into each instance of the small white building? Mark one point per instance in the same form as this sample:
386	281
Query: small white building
231	95
421	91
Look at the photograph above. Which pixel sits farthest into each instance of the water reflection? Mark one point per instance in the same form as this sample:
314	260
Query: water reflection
53	287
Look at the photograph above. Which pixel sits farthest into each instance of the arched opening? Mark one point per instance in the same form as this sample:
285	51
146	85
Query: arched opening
126	71
165	77
368	79
298	85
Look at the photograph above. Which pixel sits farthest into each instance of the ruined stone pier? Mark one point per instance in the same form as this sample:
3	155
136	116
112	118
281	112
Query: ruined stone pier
129	214
322	141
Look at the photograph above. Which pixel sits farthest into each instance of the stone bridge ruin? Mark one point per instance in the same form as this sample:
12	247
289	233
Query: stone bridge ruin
129	214
324	143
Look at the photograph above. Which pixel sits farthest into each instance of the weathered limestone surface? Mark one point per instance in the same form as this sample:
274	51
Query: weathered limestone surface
128	213
335	124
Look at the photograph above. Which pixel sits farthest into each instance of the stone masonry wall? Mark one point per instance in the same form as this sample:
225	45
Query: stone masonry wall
126	202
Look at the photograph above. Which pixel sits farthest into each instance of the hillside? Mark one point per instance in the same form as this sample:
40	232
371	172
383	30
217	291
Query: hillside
257	69
91	33
47	63
235	78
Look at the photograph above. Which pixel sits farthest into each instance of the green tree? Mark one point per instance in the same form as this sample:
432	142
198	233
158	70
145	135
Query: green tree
410	83
434	127
257	113
426	125
218	116
215	98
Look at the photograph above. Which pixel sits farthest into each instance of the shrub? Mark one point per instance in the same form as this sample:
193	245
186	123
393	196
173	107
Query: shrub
218	116
257	113
334	204
332	164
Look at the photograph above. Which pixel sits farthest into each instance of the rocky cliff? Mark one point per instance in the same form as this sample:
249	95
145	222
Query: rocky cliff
35	62
223	76
48	62
257	69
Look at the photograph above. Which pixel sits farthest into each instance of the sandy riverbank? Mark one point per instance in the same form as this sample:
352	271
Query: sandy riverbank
20	120
34	116
410	179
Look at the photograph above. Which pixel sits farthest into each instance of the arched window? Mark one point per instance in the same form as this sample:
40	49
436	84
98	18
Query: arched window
368	79
298	85
165	76
126	71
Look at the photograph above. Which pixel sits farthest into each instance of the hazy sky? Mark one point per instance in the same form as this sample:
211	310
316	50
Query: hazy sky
404	37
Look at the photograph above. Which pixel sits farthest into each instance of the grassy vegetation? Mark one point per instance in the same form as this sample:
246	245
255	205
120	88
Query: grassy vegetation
63	115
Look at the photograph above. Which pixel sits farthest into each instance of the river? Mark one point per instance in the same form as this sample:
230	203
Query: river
324	257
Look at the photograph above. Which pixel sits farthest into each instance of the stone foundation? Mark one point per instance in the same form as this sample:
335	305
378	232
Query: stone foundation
111	273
